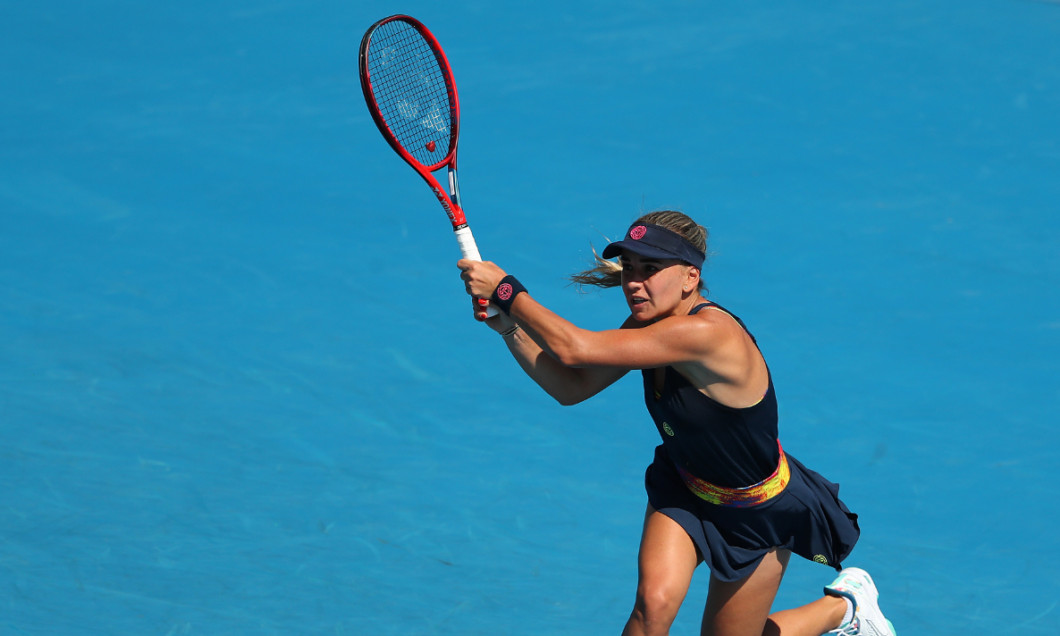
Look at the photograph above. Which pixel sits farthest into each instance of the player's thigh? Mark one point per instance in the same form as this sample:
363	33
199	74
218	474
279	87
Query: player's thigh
667	560
741	608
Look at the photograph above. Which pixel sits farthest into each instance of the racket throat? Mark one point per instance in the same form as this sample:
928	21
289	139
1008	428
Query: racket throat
454	188
449	204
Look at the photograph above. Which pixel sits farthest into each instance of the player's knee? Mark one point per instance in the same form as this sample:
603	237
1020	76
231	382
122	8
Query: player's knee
656	607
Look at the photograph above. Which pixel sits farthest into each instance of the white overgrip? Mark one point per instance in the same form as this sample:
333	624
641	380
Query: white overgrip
468	247
469	250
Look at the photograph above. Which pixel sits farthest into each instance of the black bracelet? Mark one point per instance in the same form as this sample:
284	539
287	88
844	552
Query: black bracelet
505	294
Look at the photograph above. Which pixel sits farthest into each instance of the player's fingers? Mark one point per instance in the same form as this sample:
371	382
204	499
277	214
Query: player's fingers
484	309
478	308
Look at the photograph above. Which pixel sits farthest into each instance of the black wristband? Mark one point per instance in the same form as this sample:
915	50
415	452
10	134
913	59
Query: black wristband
505	294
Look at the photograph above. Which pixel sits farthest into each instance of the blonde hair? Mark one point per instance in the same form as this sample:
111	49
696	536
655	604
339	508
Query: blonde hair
608	273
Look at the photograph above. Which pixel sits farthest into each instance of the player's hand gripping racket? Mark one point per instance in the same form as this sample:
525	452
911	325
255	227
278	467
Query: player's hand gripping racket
410	92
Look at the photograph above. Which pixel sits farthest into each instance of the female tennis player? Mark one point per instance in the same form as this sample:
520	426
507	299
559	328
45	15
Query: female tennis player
721	489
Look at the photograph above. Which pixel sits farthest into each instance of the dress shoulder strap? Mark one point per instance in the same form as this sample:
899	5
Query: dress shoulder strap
696	309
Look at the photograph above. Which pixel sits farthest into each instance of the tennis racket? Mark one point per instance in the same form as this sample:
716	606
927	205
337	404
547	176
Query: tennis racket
411	95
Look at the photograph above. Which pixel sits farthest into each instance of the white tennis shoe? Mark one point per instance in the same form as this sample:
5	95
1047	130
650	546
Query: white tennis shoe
856	584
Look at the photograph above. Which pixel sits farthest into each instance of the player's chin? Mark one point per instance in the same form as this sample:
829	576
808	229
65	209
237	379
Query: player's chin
641	311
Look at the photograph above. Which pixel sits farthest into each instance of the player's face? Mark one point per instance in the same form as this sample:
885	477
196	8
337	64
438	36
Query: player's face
653	287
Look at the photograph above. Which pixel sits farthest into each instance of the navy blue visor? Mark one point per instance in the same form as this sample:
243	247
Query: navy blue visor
655	241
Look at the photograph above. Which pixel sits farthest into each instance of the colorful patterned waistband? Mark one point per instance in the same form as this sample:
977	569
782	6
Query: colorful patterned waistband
741	497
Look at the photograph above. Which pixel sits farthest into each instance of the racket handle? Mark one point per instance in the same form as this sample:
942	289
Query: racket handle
469	250
468	247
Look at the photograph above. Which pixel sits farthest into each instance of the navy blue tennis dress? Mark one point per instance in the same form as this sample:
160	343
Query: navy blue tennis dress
722	474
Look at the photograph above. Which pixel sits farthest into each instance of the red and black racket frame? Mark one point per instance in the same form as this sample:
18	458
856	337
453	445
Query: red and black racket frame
450	201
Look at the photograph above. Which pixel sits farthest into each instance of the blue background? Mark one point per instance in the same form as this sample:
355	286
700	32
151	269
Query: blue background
241	391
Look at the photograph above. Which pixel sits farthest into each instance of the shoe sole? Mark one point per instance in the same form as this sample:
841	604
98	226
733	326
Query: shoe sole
875	594
871	584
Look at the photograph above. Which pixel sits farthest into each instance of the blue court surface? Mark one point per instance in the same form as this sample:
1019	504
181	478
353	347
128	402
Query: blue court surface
241	391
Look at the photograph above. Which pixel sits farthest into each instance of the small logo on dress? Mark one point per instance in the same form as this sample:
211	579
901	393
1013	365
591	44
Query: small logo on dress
666	429
504	292
637	233
820	558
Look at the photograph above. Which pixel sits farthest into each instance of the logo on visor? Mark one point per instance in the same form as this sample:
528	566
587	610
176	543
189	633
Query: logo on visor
638	232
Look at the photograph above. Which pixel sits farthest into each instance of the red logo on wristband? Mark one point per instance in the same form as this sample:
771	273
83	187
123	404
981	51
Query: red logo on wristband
638	232
504	292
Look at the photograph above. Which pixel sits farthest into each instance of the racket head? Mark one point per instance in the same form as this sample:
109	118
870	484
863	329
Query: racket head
409	88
